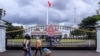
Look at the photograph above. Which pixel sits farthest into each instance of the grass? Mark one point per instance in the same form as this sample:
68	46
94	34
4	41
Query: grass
71	40
62	40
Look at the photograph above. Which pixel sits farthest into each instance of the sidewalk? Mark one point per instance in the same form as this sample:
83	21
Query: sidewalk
55	53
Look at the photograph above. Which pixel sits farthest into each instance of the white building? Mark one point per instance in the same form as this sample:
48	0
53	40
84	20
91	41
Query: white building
40	30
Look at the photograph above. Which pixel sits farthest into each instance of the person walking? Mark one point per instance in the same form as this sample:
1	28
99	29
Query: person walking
38	46
27	46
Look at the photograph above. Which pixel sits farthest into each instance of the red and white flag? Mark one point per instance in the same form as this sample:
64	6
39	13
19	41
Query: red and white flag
49	3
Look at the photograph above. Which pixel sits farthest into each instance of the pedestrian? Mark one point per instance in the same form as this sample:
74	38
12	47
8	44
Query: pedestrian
46	51
50	41
27	46
38	46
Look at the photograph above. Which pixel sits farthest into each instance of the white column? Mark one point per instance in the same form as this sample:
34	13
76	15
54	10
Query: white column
2	36
98	36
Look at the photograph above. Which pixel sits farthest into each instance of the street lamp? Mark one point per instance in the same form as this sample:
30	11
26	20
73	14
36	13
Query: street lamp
2	13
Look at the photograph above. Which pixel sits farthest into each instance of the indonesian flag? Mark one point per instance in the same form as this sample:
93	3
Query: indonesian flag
49	3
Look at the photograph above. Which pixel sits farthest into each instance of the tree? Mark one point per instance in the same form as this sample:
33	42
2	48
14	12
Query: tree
15	33
77	33
10	27
89	22
7	23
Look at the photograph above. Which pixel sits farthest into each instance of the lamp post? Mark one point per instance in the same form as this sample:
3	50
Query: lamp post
2	13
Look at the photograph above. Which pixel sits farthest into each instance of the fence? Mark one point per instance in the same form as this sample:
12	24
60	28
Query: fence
64	43
77	39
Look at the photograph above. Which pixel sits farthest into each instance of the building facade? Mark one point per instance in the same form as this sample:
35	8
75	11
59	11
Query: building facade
41	30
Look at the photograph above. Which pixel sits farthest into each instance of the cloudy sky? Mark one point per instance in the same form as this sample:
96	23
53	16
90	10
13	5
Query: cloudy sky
31	12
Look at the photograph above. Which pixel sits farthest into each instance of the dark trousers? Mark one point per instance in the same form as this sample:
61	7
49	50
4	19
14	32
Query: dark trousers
28	52
38	49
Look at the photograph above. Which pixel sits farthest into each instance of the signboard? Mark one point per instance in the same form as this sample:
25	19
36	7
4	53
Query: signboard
51	30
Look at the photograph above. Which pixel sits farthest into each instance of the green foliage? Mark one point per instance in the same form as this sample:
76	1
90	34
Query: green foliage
10	27
15	34
91	35
7	23
89	22
76	32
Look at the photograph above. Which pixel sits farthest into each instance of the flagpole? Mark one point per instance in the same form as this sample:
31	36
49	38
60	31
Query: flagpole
47	15
74	15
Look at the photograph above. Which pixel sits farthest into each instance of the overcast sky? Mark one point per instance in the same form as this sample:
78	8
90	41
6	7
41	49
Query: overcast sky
29	12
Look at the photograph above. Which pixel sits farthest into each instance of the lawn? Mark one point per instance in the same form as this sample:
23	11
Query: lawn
62	40
72	40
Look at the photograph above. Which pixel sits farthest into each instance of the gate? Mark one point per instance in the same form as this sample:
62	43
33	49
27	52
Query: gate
73	39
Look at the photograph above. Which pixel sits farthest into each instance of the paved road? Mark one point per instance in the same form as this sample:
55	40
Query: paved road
56	53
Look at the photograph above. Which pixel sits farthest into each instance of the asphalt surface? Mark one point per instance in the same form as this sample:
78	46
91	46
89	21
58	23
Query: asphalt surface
55	53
